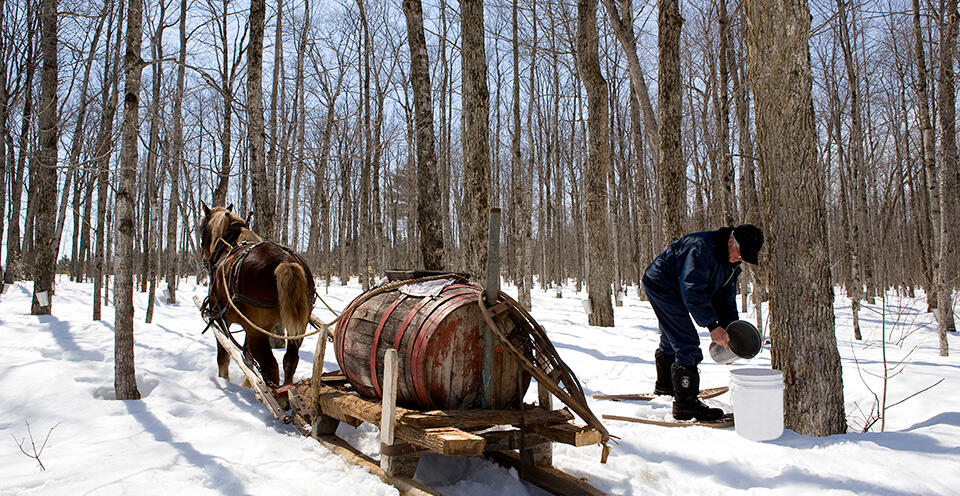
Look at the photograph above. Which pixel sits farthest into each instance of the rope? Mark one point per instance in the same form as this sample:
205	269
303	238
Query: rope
388	287
353	305
226	290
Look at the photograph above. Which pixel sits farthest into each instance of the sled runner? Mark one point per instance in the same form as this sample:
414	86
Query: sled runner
704	394
726	421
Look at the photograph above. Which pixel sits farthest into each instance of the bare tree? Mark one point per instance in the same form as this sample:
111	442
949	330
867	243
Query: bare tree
4	115
14	263
947	104
598	164
45	244
125	380
176	163
103	151
672	173
476	145
802	332
428	204
263	206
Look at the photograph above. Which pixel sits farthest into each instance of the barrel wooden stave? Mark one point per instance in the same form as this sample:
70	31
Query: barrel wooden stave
440	346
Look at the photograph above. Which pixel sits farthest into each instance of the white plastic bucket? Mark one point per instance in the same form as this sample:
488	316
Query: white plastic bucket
757	396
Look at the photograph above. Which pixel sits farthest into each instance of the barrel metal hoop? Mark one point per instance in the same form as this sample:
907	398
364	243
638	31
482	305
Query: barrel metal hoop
376	342
406	322
436	303
423	339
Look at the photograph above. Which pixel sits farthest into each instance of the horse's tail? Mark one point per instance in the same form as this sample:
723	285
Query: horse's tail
294	295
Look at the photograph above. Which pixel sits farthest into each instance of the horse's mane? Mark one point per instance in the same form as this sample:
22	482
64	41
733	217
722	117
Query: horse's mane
219	221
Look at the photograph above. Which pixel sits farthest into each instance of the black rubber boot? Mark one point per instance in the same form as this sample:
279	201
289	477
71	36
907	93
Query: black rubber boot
664	384
686	402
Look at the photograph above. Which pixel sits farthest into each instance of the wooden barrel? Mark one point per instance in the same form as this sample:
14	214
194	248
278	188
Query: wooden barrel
439	342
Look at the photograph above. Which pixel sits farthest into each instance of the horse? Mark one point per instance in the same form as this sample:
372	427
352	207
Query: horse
258	284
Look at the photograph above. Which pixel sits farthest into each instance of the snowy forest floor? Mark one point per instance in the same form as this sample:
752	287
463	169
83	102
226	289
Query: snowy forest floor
193	433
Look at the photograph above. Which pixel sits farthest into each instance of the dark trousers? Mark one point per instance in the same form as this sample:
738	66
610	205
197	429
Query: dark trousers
678	336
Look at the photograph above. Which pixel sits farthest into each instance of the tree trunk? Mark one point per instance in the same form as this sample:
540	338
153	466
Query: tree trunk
672	174
262	185
274	94
856	190
151	219
226	91
476	145
104	149
802	332
428	204
928	155
46	245
14	263
176	164
623	29
947	104
4	131
598	164
518	186
125	380
727	190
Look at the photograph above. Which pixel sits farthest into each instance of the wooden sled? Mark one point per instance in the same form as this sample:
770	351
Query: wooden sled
521	439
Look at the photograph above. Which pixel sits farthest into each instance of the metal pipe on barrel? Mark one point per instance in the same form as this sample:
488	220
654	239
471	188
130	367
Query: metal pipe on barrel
491	290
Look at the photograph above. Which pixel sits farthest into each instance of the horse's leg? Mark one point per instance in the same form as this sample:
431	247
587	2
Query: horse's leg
290	359
223	362
259	346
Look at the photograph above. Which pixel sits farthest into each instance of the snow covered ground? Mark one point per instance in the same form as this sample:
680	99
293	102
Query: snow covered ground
194	433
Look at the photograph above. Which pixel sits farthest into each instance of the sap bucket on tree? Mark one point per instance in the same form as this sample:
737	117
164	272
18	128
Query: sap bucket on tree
757	396
745	342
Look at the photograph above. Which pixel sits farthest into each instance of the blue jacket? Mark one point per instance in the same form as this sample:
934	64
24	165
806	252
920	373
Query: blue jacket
695	269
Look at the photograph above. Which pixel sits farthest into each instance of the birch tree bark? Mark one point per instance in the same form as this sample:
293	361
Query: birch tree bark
803	340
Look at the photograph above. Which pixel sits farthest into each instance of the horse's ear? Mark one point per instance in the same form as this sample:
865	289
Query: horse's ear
206	209
230	207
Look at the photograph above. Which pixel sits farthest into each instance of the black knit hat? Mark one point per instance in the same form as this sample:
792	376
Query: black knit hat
750	239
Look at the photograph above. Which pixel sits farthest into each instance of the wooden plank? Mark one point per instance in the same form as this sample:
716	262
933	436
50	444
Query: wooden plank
726	421
263	392
704	394
448	441
388	414
574	435
316	377
407	486
547	478
403	480
443	440
474	419
510	440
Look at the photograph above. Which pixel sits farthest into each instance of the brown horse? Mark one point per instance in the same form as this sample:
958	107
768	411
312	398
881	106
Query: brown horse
257	284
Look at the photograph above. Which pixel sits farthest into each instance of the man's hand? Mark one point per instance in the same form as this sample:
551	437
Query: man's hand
719	335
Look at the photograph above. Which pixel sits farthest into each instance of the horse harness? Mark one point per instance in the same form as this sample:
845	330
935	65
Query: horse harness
226	247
